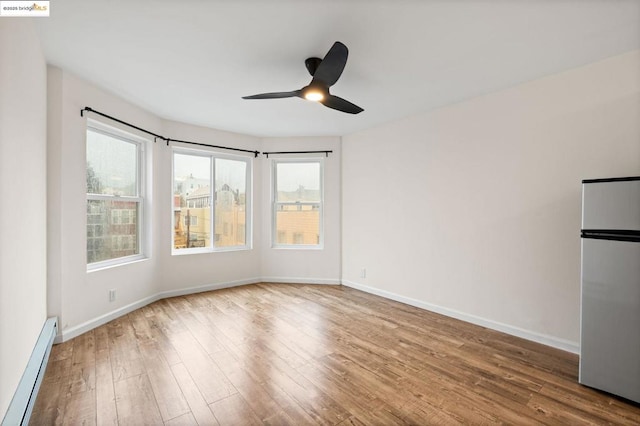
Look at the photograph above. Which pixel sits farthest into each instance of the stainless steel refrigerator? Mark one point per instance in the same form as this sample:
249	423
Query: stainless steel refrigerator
610	310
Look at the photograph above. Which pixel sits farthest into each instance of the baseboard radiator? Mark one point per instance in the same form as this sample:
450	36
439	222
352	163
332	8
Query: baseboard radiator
23	400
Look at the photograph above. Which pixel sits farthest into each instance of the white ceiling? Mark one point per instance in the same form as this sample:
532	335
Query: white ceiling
192	61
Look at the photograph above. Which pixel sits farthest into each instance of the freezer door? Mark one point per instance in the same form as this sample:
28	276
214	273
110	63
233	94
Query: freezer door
610	320
611	205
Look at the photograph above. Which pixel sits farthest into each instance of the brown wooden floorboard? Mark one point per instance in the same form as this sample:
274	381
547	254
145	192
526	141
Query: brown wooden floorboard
288	354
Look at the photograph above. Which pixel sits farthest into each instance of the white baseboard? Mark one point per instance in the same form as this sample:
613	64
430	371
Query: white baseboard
206	287
70	333
285	280
552	341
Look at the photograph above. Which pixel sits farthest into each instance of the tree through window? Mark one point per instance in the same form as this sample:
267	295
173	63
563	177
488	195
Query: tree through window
114	196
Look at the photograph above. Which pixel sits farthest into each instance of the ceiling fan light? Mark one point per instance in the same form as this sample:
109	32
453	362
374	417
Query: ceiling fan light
313	95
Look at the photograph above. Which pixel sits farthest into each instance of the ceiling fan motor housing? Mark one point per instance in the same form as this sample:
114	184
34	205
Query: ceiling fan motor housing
312	65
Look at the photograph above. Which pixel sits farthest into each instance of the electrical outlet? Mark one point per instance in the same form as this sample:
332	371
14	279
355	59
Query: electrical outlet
363	273
112	295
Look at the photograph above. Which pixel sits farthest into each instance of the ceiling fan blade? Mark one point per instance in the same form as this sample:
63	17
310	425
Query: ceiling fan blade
331	67
340	104
274	95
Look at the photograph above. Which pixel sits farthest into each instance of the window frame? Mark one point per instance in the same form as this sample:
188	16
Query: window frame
275	204
213	155
140	198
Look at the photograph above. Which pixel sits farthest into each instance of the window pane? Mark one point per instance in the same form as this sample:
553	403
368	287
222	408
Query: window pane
298	203
112	165
194	210
112	229
191	200
298	225
298	182
231	202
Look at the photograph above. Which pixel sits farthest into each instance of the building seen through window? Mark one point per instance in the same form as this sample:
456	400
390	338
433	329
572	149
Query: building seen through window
297	218
114	195
204	218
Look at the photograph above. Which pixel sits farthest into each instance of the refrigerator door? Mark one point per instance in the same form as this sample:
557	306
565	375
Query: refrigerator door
610	320
611	204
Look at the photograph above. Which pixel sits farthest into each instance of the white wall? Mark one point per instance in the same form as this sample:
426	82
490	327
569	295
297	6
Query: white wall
208	269
75	295
474	209
23	119
81	298
304	265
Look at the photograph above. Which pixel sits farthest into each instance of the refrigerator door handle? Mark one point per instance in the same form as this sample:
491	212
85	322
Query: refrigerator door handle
611	234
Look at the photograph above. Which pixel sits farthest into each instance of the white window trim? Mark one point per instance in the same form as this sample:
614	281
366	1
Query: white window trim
143	220
274	203
212	154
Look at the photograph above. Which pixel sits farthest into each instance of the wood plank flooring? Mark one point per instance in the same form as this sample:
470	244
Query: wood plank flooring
284	354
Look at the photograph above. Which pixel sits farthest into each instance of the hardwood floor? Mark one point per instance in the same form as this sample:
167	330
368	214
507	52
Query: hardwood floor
285	354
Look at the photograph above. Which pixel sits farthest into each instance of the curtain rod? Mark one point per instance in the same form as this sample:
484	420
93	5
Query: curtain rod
89	109
255	153
299	152
156	136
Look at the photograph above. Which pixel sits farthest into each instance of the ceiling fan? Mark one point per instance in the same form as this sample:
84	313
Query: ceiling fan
325	73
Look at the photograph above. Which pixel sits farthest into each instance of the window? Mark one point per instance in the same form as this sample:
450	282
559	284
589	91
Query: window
211	201
191	220
297	203
115	196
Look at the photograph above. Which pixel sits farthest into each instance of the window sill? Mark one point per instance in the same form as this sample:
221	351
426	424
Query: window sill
108	264
183	252
297	247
